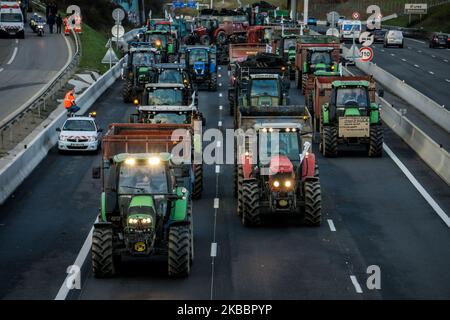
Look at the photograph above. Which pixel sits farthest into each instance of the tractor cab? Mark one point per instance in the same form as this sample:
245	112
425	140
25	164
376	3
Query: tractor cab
264	90
350	98
162	41
173	73
288	47
319	62
168	114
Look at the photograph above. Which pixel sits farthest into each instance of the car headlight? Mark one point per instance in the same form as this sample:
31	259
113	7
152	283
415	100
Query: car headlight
92	139
62	138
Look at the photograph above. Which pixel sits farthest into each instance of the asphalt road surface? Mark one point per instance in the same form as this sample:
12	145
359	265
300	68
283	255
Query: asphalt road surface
27	65
372	215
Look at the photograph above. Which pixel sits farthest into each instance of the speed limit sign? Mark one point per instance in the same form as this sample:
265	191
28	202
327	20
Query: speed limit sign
366	54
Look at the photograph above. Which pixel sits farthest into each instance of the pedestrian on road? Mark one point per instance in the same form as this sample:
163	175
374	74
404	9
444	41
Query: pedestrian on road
59	22
51	22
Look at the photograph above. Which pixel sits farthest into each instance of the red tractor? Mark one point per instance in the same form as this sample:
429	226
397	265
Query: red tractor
277	171
207	31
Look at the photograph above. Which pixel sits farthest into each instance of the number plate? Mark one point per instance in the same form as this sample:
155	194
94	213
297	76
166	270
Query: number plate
350	127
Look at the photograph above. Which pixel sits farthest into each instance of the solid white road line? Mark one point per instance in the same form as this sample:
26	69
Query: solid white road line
79	261
213	249
216	203
416	40
356	284
331	224
418	186
13	56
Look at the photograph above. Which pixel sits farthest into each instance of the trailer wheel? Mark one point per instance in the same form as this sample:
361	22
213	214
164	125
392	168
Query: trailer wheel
329	141
251	206
313	203
126	91
102	253
376	141
178	251
198	181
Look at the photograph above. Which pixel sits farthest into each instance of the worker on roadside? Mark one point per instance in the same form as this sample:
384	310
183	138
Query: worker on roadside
66	26
59	23
69	103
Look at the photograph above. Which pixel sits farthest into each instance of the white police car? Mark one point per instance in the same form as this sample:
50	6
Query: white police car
79	134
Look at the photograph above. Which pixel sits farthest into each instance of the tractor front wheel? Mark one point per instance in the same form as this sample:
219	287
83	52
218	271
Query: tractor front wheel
251	206
178	251
102	253
376	141
329	141
313	203
126	91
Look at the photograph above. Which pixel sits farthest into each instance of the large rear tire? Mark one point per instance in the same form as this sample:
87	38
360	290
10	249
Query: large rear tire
251	207
313	203
239	191
102	253
126	91
198	181
221	38
376	141
329	141
178	251
191	234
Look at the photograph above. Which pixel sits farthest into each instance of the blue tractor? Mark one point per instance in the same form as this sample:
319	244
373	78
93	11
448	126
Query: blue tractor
201	63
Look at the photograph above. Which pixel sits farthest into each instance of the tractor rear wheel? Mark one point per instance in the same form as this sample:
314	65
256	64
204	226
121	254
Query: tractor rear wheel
191	233
251	206
221	38
239	191
126	91
205	40
198	181
313	203
376	141
329	141
178	251
102	253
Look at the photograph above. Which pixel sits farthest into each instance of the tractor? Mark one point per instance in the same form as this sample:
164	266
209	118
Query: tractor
260	80
201	63
138	70
146	207
173	73
276	171
351	117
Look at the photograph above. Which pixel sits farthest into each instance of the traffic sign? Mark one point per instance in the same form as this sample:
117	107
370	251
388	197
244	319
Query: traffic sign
118	31
118	14
366	39
333	32
332	17
366	54
355	15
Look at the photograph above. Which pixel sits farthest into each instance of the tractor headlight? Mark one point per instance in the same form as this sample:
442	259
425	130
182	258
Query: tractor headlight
288	183
146	220
130	161
154	161
133	221
276	183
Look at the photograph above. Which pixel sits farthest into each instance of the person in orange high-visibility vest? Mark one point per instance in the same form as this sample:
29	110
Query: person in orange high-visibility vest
69	102
66	26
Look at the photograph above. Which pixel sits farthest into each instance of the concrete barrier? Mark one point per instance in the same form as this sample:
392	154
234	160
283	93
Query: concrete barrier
421	102
22	160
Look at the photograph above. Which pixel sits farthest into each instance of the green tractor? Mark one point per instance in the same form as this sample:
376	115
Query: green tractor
351	117
287	49
146	207
138	70
165	42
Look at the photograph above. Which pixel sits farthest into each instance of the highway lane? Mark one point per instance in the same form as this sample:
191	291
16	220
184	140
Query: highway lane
27	65
379	218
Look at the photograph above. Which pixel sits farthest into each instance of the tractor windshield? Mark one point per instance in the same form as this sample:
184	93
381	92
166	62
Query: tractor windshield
165	97
170	117
198	55
162	27
170	76
142	178
265	87
208	24
352	97
278	143
290	43
143	59
320	57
